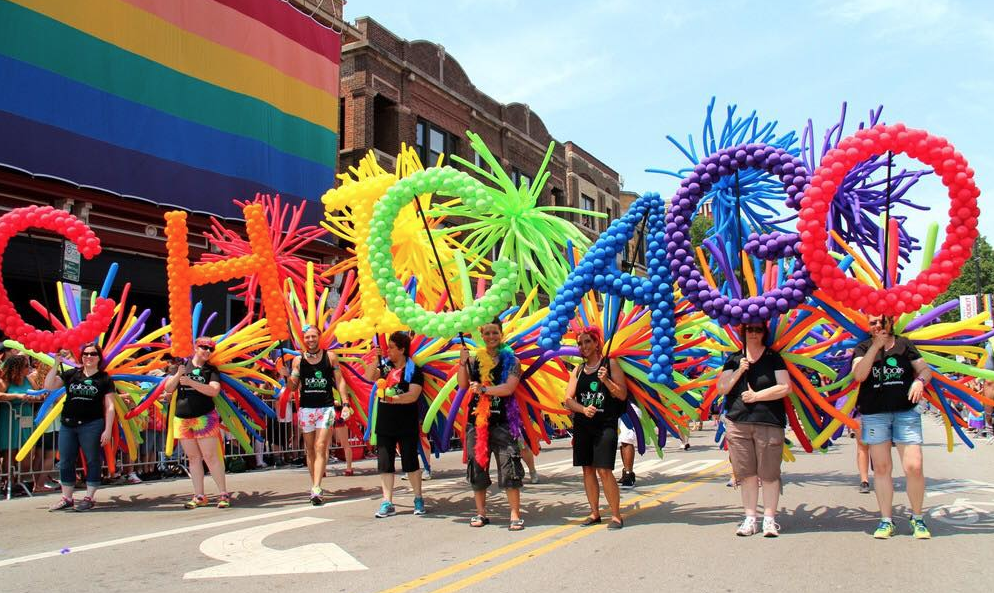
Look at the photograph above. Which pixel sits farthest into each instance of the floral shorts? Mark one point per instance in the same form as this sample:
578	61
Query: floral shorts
311	419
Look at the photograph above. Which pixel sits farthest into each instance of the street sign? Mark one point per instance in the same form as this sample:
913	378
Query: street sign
70	262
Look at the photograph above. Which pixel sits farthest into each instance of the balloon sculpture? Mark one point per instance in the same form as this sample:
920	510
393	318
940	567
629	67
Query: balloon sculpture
670	328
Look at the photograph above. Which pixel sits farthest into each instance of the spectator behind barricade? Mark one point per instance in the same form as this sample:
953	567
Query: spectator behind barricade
16	411
43	456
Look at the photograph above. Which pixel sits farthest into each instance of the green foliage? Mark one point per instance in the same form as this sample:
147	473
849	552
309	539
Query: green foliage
967	281
699	229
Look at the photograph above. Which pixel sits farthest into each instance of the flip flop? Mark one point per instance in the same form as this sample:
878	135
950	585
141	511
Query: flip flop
590	521
517	525
616	524
479	521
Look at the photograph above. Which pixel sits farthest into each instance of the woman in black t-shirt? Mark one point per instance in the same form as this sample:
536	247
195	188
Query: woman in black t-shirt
87	421
754	383
399	384
197	425
596	395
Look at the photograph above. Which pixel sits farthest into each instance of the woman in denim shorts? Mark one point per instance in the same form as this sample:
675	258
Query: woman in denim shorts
892	377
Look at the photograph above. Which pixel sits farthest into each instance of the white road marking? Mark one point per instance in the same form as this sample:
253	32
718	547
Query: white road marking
646	467
694	466
244	554
178	531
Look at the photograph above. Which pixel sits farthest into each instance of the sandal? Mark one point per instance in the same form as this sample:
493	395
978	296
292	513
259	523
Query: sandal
479	521
615	524
590	521
516	525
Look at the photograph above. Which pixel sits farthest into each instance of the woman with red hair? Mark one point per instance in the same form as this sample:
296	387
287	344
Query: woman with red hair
596	395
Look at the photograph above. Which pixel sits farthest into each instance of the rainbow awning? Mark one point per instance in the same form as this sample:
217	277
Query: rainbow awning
188	103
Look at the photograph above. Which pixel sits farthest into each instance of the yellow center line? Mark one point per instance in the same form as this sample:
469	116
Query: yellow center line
545	549
546	534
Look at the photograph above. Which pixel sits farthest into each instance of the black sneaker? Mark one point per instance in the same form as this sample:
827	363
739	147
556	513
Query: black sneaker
864	487
628	480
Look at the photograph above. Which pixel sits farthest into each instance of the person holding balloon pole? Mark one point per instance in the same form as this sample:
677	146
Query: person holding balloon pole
596	395
198	426
754	382
87	421
494	425
399	383
892	376
316	374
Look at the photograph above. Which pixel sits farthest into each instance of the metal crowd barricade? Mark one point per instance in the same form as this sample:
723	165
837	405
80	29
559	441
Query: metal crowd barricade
39	473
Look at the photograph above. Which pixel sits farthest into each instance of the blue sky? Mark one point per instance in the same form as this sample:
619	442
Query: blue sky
618	76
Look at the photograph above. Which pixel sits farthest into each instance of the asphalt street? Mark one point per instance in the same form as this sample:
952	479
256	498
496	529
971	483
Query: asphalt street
679	533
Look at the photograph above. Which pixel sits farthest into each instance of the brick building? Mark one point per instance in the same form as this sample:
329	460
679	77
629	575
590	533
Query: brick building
397	91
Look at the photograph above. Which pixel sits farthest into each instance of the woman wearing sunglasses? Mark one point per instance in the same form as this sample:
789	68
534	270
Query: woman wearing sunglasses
754	383
198	426
87	421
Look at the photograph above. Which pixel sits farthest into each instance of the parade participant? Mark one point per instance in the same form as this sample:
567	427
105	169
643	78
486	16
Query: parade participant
494	425
892	375
87	420
596	395
316	374
399	385
989	389
198	426
627	439
754	382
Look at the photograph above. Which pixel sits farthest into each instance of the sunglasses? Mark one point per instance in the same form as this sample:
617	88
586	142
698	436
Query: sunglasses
89	354
876	322
205	347
756	329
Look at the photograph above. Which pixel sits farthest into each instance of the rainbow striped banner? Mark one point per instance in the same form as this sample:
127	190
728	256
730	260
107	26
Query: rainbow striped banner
186	103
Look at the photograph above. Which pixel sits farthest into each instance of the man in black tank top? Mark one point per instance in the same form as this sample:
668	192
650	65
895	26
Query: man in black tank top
596	395
316	374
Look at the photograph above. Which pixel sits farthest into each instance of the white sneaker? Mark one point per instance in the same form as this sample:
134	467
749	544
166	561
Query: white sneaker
534	478
770	527
425	475
133	478
748	527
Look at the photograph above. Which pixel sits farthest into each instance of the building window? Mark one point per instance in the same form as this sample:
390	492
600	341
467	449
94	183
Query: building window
607	221
517	178
587	203
432	141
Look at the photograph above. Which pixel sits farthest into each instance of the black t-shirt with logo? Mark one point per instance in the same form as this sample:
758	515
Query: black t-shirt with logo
886	388
498	405
190	403
761	375
398	419
84	396
591	391
317	383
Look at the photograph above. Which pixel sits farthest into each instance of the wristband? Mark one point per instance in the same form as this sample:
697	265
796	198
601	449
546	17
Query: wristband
922	380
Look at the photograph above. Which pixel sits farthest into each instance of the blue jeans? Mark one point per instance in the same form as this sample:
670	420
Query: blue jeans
71	440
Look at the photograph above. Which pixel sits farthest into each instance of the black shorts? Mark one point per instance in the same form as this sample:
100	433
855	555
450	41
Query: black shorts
595	446
386	453
510	472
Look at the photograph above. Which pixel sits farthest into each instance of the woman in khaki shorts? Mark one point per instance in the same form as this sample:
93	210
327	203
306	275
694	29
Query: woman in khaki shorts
754	383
